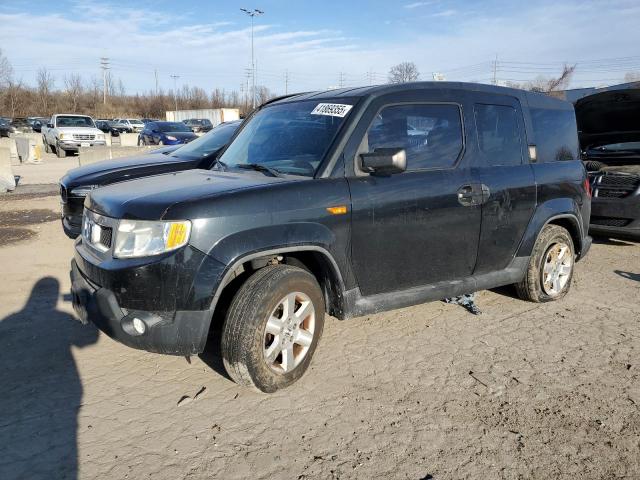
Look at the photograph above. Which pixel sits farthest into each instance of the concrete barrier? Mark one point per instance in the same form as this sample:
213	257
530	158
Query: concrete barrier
28	149
10	143
7	180
128	139
98	154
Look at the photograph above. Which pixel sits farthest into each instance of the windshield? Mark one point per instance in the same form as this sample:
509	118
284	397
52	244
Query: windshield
616	147
290	138
173	127
209	143
69	121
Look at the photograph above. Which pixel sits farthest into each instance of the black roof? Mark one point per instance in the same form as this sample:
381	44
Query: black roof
537	99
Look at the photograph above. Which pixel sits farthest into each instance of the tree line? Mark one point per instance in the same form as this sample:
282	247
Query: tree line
72	93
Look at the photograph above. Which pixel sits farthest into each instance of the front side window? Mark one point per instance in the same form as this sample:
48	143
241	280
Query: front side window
499	136
430	134
292	137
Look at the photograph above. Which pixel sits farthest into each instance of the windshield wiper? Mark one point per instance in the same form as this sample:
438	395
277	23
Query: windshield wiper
221	165
260	168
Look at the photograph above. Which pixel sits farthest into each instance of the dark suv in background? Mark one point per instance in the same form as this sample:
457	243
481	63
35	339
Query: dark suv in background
77	183
199	125
609	130
350	202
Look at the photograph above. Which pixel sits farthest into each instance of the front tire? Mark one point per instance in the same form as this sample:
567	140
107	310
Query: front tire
272	328
60	152
550	269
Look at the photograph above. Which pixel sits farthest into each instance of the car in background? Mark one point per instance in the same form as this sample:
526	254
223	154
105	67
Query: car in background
165	133
5	127
147	120
199	125
134	124
77	183
37	123
67	133
609	133
21	125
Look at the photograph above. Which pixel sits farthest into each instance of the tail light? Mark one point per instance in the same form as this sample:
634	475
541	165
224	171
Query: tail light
587	186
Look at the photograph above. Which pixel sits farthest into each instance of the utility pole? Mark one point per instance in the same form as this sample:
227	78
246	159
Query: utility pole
175	95
156	74
104	65
248	73
286	82
495	70
253	13
341	80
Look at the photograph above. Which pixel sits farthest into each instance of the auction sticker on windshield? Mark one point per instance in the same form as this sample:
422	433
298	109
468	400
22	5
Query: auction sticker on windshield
331	109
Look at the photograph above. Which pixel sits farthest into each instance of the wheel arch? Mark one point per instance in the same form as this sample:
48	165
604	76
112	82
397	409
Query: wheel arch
314	258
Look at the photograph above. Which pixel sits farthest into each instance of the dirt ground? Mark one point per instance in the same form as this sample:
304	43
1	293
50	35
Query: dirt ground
430	392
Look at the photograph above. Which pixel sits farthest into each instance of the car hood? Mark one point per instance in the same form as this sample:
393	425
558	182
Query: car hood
125	168
150	198
83	130
608	117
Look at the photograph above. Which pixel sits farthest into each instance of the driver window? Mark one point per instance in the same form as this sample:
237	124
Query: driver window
431	135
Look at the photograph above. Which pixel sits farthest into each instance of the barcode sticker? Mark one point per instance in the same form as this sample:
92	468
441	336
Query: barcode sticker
331	109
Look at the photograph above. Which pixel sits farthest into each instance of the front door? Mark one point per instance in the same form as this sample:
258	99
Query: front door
420	226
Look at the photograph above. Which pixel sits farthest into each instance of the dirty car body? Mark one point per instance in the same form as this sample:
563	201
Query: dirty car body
339	185
609	130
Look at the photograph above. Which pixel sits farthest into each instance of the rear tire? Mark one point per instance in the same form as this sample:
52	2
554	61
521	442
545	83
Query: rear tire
272	328
551	265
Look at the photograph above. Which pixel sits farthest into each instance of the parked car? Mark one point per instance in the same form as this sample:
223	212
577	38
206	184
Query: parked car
327	202
133	124
165	133
37	123
5	127
199	125
66	133
21	125
147	120
610	141
77	183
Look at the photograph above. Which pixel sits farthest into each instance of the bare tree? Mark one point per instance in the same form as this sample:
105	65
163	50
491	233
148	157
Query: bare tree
15	97
632	77
6	70
46	83
404	72
548	85
74	90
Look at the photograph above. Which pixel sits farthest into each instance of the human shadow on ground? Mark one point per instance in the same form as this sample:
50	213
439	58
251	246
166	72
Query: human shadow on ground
40	387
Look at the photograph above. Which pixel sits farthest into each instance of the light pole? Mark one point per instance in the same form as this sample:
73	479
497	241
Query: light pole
253	13
175	95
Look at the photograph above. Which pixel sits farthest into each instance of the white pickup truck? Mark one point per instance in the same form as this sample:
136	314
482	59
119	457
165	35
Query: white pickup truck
66	133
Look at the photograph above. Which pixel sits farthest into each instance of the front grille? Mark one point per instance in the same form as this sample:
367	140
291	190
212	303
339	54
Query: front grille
610	222
614	185
83	136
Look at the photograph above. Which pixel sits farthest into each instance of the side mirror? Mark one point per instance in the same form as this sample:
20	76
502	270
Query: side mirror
384	161
50	125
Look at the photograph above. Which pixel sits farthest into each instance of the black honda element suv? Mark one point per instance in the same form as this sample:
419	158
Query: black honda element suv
346	202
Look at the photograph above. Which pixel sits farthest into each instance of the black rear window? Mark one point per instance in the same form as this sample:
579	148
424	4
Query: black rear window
556	134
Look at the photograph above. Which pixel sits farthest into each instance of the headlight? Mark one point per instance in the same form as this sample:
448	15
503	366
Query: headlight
169	137
83	191
138	238
100	136
61	137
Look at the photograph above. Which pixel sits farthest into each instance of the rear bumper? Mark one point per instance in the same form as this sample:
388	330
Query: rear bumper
173	333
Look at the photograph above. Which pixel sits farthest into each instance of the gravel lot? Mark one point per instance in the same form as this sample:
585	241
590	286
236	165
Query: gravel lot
522	391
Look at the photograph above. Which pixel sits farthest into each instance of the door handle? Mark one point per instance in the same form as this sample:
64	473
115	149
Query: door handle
466	196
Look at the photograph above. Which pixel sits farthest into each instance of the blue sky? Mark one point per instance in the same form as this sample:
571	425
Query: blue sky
207	43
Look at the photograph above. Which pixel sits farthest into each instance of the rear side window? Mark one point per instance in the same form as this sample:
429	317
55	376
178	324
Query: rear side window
499	135
556	134
431	135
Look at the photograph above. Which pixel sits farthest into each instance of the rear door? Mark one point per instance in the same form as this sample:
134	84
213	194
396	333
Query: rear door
411	229
505	175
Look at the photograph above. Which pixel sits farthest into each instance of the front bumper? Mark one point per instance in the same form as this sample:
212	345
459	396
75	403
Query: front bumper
182	333
170	293
616	217
74	145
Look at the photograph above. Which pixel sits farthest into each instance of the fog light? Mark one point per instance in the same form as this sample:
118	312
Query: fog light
139	326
